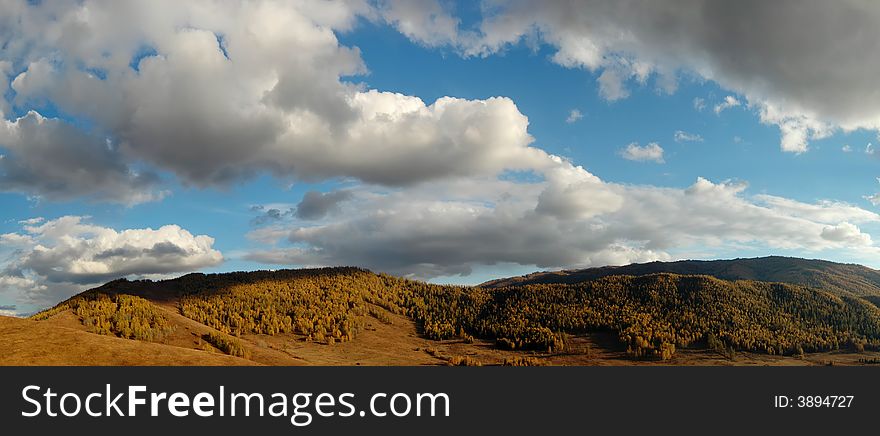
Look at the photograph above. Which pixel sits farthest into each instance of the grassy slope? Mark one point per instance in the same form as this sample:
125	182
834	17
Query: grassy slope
27	342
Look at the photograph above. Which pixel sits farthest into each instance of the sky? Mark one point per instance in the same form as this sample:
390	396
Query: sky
453	142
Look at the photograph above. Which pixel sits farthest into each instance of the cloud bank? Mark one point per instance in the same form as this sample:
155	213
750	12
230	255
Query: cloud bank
51	260
215	93
570	219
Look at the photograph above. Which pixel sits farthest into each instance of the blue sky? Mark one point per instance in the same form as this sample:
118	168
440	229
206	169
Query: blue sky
224	147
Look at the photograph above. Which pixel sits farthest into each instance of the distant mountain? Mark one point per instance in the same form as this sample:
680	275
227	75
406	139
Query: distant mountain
839	278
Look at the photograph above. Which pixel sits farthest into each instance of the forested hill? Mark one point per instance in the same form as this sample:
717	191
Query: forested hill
651	315
839	278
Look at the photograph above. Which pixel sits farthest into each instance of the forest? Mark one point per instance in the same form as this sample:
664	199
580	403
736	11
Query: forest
652	315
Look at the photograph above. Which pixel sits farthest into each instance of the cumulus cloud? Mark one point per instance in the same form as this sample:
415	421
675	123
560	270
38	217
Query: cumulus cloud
58	257
846	148
574	116
682	136
398	140
651	152
782	57
846	233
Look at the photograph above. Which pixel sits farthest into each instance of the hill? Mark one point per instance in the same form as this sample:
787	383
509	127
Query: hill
351	316
329	305
844	279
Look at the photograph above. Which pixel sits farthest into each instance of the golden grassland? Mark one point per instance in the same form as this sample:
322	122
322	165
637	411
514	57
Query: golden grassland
28	342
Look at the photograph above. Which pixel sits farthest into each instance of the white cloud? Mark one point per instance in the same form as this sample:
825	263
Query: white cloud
397	140
59	257
846	148
699	104
796	130
651	152
728	102
574	116
682	136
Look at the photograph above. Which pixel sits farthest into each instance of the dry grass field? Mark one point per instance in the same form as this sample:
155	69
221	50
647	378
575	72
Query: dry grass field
27	342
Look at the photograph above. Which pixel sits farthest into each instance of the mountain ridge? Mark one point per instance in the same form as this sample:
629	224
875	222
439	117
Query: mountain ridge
840	278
